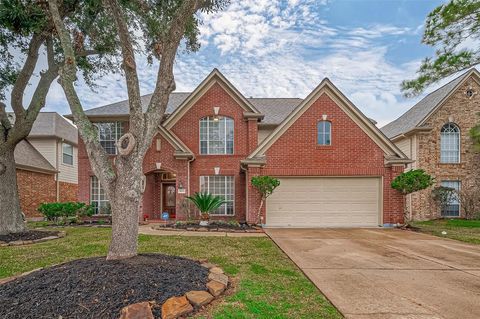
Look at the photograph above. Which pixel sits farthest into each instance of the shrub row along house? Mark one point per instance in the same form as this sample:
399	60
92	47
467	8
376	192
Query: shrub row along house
46	163
434	133
334	165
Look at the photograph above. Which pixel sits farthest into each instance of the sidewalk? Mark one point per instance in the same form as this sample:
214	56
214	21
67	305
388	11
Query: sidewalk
147	230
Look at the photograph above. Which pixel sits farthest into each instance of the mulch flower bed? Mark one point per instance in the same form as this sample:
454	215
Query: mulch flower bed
31	235
97	288
212	226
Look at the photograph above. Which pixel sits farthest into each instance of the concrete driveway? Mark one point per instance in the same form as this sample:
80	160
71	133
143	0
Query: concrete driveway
387	273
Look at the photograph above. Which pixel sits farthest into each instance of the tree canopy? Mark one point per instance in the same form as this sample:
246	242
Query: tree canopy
453	30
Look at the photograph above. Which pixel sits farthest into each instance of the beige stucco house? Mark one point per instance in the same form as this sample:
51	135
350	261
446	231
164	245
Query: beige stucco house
434	133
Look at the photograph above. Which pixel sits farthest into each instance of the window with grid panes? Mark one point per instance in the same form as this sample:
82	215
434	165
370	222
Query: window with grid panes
223	186
450	143
98	198
109	134
216	135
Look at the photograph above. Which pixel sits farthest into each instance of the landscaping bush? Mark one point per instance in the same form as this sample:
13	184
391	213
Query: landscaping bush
410	182
68	212
443	196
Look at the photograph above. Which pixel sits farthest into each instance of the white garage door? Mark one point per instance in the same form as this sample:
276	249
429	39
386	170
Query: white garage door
325	202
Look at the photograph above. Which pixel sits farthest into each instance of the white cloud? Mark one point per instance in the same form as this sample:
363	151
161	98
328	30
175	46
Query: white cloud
280	48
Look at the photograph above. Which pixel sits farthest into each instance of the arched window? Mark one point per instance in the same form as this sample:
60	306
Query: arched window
450	143
324	133
216	135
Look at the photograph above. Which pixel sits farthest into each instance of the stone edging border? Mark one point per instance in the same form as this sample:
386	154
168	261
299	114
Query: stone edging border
181	306
60	234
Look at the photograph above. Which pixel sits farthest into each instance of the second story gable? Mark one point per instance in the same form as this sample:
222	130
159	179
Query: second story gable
435	131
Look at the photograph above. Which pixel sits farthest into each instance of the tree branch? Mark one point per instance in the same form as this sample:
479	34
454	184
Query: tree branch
5	124
24	122
102	167
25	74
130	68
165	78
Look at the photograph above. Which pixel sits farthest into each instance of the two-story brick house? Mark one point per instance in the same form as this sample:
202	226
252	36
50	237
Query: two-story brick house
47	165
434	133
335	166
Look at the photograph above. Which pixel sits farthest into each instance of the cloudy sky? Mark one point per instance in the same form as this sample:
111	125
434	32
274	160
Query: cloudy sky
280	48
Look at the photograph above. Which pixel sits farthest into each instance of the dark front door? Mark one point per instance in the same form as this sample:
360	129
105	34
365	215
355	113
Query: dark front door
169	191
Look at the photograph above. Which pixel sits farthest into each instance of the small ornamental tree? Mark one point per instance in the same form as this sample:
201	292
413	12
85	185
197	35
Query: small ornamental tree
265	185
411	182
443	196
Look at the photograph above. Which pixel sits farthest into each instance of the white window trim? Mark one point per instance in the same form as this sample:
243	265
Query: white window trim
233	192
459	144
72	155
97	195
118	127
208	136
324	134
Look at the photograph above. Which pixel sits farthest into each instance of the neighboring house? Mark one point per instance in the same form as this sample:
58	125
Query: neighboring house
334	165
434	133
35	178
55	139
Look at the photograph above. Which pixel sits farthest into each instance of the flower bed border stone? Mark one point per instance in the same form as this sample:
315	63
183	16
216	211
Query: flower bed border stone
187	304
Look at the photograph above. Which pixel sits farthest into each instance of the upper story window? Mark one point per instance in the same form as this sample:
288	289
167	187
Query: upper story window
450	143
324	133
109	134
216	135
67	154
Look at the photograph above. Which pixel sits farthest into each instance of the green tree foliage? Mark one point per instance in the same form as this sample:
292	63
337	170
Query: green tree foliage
475	136
412	181
265	185
443	196
447	28
206	203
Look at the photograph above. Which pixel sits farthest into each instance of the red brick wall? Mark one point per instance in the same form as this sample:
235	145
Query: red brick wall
351	153
68	192
295	153
34	189
187	129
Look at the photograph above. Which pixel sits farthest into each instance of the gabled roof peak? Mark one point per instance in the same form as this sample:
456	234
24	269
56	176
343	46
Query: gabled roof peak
418	113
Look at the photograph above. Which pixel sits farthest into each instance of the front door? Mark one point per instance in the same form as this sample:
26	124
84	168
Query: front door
169	191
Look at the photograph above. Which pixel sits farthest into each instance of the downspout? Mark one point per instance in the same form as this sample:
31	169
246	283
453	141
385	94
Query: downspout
57	173
188	174
246	190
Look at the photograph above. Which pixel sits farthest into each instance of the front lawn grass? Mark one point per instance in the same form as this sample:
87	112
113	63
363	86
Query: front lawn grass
269	284
459	229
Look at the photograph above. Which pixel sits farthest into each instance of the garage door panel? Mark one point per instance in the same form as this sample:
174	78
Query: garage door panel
324	202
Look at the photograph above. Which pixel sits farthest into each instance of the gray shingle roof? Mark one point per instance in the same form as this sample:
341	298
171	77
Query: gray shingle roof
275	109
27	156
410	119
52	124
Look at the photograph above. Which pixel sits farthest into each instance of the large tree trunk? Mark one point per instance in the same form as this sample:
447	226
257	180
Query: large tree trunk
11	219
125	199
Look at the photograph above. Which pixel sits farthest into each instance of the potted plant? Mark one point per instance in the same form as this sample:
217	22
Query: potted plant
206	203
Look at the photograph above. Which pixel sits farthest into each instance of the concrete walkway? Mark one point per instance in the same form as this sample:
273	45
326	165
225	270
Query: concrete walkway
388	273
148	230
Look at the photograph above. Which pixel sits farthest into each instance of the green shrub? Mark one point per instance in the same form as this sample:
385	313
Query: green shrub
68	212
412	181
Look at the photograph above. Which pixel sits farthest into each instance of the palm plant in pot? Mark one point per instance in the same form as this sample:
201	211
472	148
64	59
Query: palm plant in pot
206	203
